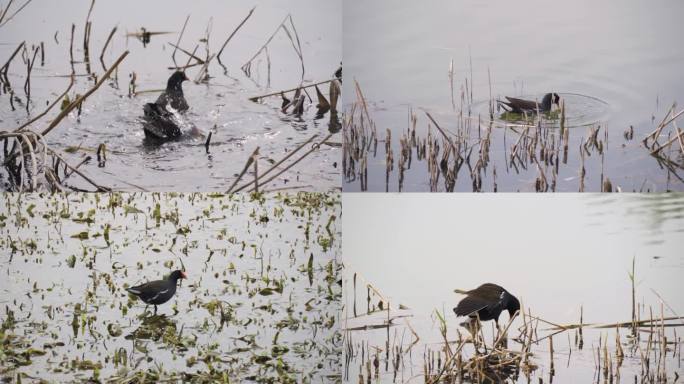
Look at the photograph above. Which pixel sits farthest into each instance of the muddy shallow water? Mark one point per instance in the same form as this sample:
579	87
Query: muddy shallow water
261	302
561	255
620	54
221	106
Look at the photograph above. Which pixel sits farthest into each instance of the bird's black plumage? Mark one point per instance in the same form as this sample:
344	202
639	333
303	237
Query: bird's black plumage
173	94
158	291
529	106
160	123
338	73
487	302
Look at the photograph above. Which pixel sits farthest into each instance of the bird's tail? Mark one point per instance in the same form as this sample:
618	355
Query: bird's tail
133	290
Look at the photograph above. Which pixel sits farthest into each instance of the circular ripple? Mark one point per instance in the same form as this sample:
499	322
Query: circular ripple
580	111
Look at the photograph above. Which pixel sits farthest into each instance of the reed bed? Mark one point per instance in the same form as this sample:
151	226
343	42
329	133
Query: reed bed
538	149
644	349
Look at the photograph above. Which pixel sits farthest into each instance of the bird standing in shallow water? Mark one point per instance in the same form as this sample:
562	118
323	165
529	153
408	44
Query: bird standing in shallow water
161	123
159	291
530	106
487	302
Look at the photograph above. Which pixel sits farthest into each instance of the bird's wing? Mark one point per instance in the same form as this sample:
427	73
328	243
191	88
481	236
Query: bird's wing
507	106
149	290
521	103
490	292
469	305
156	295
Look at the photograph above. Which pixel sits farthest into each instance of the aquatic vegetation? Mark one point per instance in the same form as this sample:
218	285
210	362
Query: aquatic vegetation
66	119
382	345
261	302
478	150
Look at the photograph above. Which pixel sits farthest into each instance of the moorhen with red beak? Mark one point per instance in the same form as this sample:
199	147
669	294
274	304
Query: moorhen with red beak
487	302
159	291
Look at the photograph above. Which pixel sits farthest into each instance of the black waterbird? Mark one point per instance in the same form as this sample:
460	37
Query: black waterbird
158	291
487	302
530	106
160	123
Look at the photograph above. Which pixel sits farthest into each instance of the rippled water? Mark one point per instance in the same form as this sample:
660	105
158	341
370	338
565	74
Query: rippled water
557	253
615	63
221	106
261	301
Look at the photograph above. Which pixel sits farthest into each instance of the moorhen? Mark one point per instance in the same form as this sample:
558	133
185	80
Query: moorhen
487	302
529	106
159	291
160	123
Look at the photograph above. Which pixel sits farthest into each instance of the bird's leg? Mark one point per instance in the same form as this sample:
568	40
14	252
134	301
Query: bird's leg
498	331
477	335
155	309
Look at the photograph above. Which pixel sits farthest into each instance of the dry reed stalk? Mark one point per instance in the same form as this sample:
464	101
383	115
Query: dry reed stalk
180	36
190	54
246	68
82	98
249	162
4	21
104	48
39	116
280	161
257	98
218	56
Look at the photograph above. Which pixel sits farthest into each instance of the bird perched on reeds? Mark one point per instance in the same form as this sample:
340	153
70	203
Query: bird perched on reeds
160	123
530	106
486	302
158	291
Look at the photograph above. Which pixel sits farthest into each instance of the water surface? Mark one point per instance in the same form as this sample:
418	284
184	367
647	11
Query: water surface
261	302
622	54
111	117
556	254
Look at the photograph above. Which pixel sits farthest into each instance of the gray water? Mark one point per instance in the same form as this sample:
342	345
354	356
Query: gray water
556	253
261	301
622	59
221	106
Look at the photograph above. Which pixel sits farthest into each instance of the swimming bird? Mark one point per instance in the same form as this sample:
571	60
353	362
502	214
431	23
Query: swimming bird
158	291
530	106
160	123
487	302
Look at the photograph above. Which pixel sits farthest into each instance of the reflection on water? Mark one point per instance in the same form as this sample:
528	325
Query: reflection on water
561	255
113	117
612	52
261	298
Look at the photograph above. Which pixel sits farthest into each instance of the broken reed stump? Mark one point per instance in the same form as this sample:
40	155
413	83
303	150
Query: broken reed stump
278	93
81	98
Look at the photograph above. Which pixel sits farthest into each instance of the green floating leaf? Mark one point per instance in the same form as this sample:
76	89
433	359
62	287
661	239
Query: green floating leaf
131	209
81	235
266	291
